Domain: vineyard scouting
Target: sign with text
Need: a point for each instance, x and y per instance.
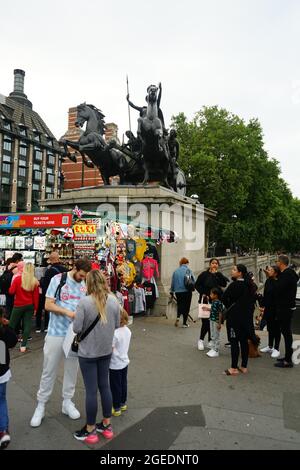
(89, 229)
(39, 220)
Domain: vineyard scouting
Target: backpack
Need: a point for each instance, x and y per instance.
(43, 286)
(5, 281)
(63, 281)
(189, 282)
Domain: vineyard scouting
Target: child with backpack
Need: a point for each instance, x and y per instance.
(118, 367)
(8, 339)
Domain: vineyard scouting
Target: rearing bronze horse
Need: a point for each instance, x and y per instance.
(109, 160)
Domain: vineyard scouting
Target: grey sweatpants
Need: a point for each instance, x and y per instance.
(53, 356)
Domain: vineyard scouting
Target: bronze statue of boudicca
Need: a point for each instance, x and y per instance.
(151, 156)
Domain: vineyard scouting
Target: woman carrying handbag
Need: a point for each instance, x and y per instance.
(205, 282)
(94, 353)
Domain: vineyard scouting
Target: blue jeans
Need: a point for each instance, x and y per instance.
(3, 408)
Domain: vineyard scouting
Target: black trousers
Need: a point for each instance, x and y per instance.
(285, 323)
(39, 314)
(205, 328)
(274, 332)
(239, 341)
(9, 304)
(183, 304)
(228, 331)
(118, 386)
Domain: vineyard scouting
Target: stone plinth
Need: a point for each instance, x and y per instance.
(148, 206)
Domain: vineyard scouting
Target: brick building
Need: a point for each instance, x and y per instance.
(77, 175)
(30, 157)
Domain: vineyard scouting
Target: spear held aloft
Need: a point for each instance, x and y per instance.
(128, 103)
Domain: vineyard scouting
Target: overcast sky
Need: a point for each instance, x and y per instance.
(239, 54)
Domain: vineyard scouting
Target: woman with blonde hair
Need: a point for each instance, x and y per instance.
(95, 352)
(25, 288)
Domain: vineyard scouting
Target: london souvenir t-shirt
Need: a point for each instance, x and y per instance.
(150, 295)
(71, 293)
(130, 249)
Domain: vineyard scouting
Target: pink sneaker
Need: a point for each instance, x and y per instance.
(92, 439)
(106, 431)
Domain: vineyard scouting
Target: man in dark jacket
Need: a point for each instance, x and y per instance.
(285, 305)
(55, 267)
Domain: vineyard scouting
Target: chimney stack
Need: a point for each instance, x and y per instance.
(19, 81)
(18, 93)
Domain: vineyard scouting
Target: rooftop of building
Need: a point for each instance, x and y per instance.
(17, 117)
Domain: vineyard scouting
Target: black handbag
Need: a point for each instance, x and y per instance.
(80, 336)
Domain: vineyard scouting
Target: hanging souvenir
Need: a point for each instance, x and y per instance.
(10, 243)
(39, 243)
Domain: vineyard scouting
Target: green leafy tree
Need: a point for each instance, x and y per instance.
(228, 167)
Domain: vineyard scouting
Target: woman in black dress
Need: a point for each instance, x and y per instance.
(239, 298)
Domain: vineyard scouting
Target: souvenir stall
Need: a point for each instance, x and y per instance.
(129, 258)
(30, 234)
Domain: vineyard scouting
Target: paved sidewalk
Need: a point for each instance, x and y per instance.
(178, 398)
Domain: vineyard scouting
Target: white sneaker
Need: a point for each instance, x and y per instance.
(38, 416)
(267, 349)
(68, 408)
(212, 353)
(275, 353)
(201, 345)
